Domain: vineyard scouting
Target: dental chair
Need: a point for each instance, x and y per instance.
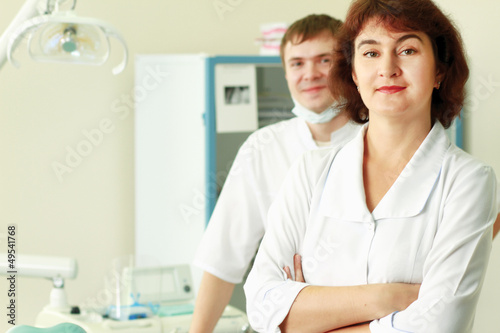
(60, 328)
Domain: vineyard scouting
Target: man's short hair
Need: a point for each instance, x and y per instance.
(307, 28)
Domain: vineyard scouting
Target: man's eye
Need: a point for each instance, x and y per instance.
(370, 54)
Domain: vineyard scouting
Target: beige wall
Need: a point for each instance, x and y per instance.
(46, 108)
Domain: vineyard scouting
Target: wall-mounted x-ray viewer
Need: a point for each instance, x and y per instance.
(236, 98)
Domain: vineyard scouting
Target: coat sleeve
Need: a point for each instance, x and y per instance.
(237, 224)
(269, 294)
(455, 267)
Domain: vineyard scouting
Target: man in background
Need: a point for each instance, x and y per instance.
(239, 220)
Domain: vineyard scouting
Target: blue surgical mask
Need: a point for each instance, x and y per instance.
(314, 117)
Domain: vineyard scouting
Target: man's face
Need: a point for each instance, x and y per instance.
(307, 65)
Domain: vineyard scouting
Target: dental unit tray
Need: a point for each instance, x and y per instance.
(167, 290)
(161, 301)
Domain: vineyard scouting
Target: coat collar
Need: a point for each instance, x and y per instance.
(343, 196)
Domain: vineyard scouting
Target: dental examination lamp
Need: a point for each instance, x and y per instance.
(56, 35)
(53, 268)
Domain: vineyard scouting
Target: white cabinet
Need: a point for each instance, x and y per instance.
(180, 158)
(169, 158)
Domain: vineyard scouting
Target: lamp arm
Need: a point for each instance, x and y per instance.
(49, 267)
(27, 11)
(110, 31)
(17, 33)
(53, 4)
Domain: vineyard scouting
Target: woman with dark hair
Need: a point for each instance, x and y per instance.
(397, 204)
(396, 16)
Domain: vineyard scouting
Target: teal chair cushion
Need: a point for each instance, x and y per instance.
(61, 328)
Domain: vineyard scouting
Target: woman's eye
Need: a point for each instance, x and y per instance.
(408, 52)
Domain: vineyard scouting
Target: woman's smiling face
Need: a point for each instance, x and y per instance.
(394, 71)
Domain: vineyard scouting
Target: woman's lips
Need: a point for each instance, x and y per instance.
(390, 89)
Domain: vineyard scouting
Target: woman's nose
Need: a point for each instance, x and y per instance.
(389, 66)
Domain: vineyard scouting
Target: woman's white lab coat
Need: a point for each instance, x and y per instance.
(434, 226)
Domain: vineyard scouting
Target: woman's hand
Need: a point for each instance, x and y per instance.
(297, 268)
